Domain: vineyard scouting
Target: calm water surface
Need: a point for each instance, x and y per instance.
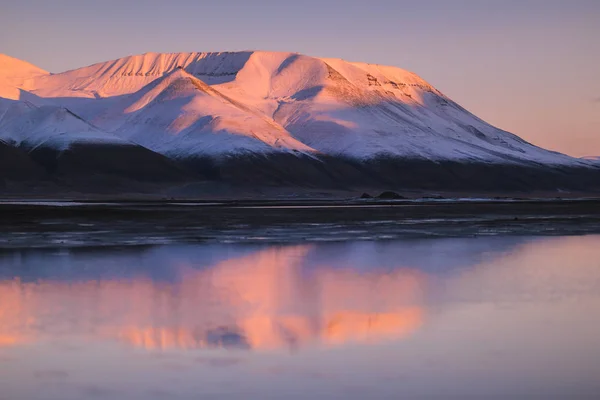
(473, 318)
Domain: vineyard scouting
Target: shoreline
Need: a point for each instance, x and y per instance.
(90, 223)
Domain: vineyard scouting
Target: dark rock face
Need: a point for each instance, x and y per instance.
(16, 165)
(286, 169)
(279, 169)
(95, 160)
(116, 168)
(366, 196)
(449, 175)
(389, 195)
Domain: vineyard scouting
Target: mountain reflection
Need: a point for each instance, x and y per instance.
(265, 299)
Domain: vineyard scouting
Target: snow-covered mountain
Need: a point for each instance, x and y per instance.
(313, 113)
(28, 126)
(328, 106)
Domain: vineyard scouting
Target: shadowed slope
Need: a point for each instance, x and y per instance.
(183, 117)
(16, 165)
(67, 147)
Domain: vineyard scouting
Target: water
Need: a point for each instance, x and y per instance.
(492, 317)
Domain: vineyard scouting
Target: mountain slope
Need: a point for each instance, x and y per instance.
(369, 111)
(28, 126)
(15, 74)
(181, 116)
(67, 146)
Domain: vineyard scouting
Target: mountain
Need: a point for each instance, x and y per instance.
(333, 106)
(285, 119)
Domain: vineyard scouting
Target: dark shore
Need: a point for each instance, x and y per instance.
(114, 223)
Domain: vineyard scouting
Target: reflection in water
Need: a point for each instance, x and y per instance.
(493, 318)
(262, 300)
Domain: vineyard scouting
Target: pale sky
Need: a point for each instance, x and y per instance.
(527, 66)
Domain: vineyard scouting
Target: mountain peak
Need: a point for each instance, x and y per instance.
(181, 73)
(175, 84)
(15, 74)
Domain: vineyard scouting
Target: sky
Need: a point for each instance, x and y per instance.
(527, 66)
